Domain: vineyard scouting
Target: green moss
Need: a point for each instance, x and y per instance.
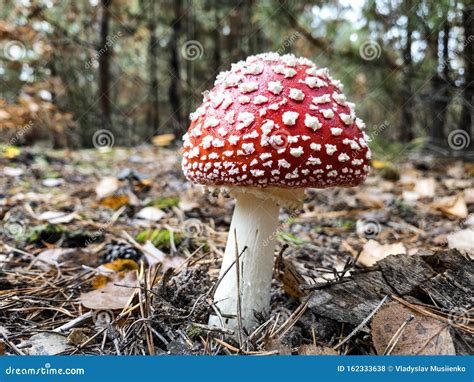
(165, 202)
(45, 232)
(159, 237)
(346, 224)
(193, 331)
(291, 239)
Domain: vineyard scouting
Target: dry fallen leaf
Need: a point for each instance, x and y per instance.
(52, 256)
(373, 251)
(452, 206)
(276, 345)
(107, 186)
(289, 277)
(463, 241)
(46, 343)
(52, 182)
(422, 335)
(12, 171)
(66, 257)
(187, 205)
(469, 195)
(163, 140)
(11, 152)
(425, 188)
(151, 214)
(115, 202)
(410, 196)
(120, 266)
(154, 255)
(378, 164)
(374, 198)
(56, 217)
(114, 295)
(77, 336)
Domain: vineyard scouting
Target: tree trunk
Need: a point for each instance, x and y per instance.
(104, 53)
(216, 35)
(441, 93)
(465, 122)
(406, 127)
(173, 91)
(153, 115)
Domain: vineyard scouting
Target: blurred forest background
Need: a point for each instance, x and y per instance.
(137, 68)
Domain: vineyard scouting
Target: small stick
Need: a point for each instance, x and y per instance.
(71, 324)
(362, 324)
(217, 329)
(394, 340)
(291, 321)
(239, 306)
(11, 344)
(226, 345)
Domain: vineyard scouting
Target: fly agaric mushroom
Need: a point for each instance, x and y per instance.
(271, 126)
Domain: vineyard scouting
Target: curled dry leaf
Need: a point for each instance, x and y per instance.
(373, 251)
(56, 217)
(289, 277)
(114, 295)
(422, 335)
(452, 206)
(154, 255)
(66, 257)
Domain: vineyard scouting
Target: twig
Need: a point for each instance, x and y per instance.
(362, 324)
(291, 321)
(239, 306)
(421, 310)
(210, 328)
(11, 344)
(394, 340)
(71, 324)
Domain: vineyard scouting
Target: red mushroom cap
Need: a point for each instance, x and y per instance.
(276, 121)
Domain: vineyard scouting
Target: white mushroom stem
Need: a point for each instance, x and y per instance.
(254, 225)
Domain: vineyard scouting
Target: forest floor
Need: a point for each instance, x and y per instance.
(116, 253)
